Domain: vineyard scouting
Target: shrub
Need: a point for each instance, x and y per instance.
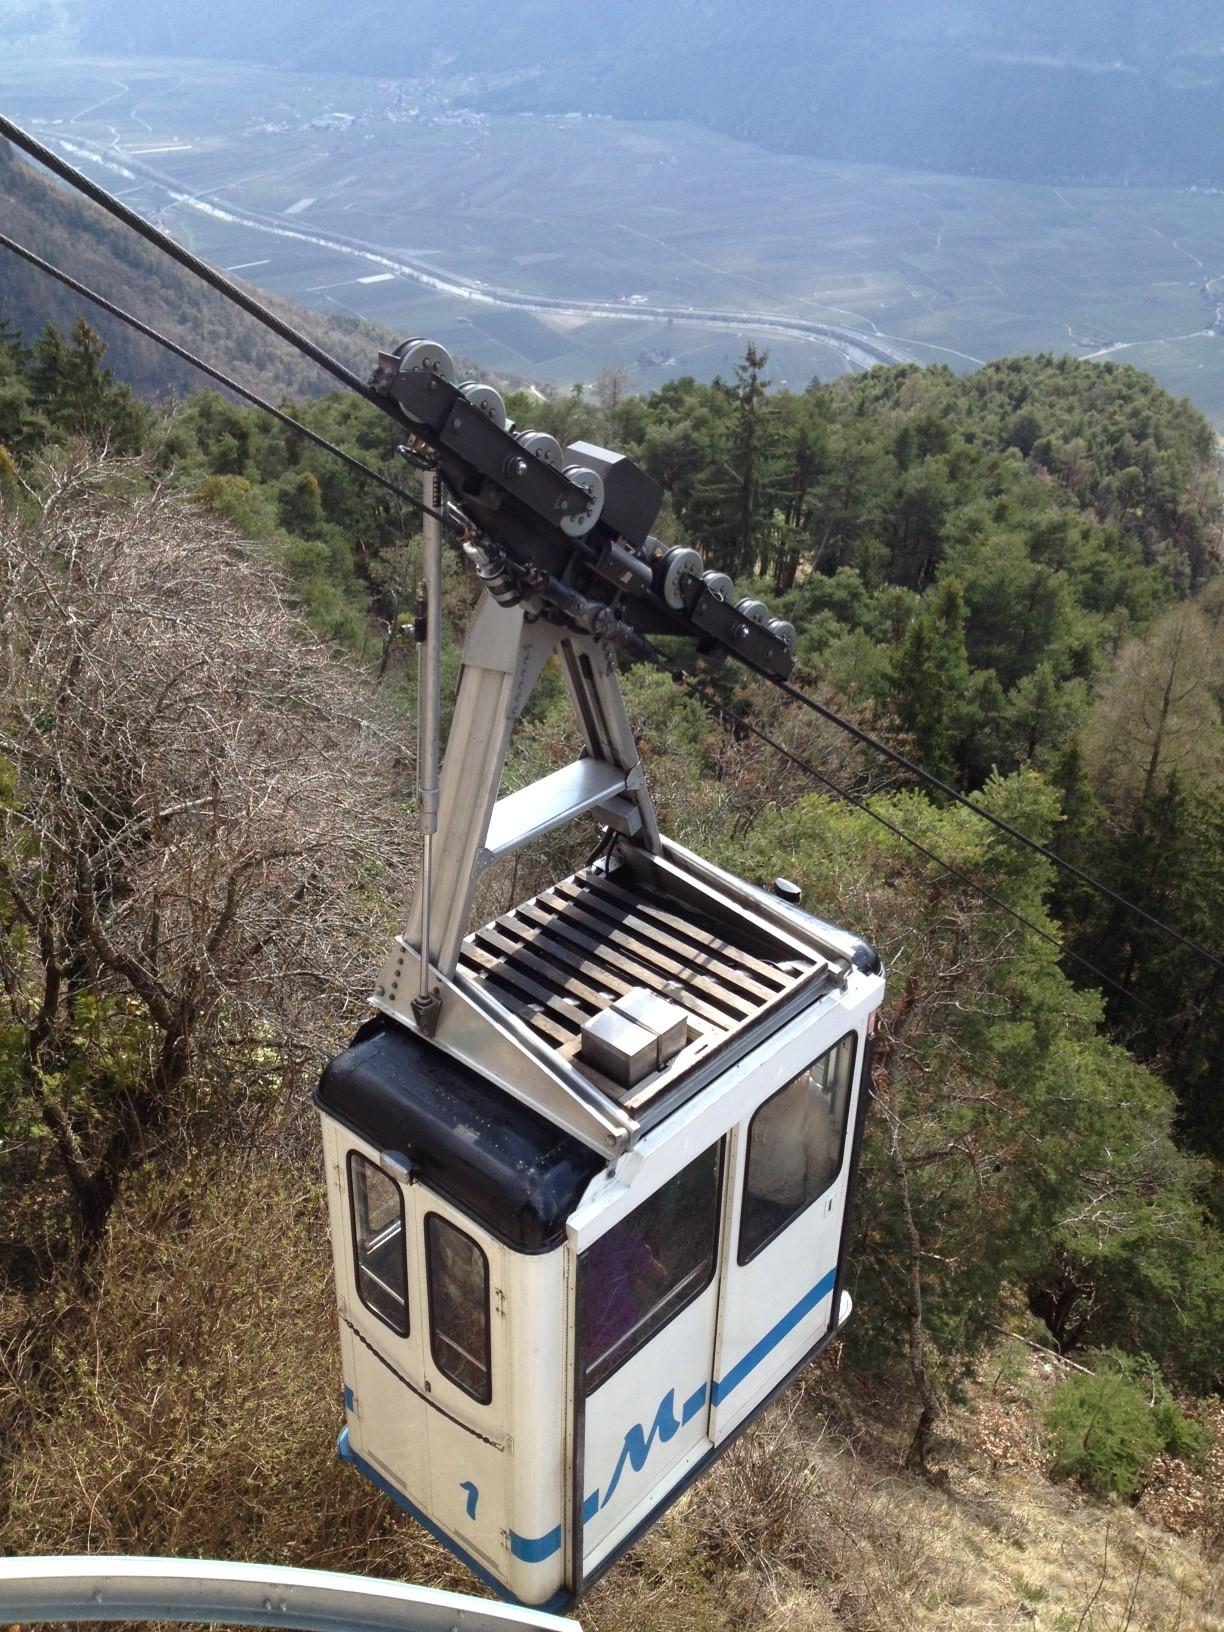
(1105, 1429)
(1182, 1437)
(1103, 1433)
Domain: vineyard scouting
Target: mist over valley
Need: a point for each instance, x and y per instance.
(551, 242)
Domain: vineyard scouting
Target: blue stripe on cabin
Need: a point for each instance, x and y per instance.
(347, 1454)
(773, 1337)
(693, 1404)
(535, 1551)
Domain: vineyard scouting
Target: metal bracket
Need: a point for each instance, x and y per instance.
(503, 657)
(426, 1010)
(503, 1049)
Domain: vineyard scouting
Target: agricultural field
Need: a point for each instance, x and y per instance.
(402, 202)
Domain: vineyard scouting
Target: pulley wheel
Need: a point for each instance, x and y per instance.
(543, 446)
(678, 564)
(591, 483)
(486, 400)
(785, 633)
(427, 355)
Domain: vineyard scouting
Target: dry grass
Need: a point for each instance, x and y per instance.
(804, 1530)
(1190, 1501)
(191, 1407)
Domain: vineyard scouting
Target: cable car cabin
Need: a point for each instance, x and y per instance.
(589, 1167)
(542, 1349)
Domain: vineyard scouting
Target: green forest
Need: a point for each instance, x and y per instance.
(206, 694)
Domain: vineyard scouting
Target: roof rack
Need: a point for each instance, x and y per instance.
(520, 997)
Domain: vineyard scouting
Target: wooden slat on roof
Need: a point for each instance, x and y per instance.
(557, 960)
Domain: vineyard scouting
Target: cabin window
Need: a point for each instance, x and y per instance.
(795, 1145)
(649, 1267)
(378, 1242)
(458, 1276)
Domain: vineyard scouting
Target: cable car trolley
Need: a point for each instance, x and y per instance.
(589, 1166)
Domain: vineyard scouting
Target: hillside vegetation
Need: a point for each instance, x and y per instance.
(203, 694)
(83, 241)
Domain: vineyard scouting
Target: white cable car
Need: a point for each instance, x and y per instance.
(589, 1166)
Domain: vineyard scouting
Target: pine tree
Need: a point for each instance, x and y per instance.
(752, 498)
(21, 426)
(740, 490)
(1039, 713)
(1158, 715)
(929, 680)
(300, 504)
(1171, 863)
(13, 353)
(79, 395)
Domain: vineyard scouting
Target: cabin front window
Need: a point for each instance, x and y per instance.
(649, 1267)
(796, 1141)
(378, 1242)
(458, 1276)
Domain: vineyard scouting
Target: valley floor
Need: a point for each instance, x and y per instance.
(617, 241)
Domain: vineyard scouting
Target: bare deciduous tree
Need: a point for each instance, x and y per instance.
(196, 822)
(1157, 714)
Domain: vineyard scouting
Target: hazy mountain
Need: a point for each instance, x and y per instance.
(1106, 89)
(78, 237)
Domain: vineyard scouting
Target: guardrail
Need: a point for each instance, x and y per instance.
(98, 1588)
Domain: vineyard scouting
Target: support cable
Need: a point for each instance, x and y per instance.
(192, 263)
(868, 741)
(713, 702)
(252, 397)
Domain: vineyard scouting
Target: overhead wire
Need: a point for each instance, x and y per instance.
(295, 337)
(714, 702)
(230, 384)
(1004, 826)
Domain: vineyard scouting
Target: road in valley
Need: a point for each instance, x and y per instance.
(859, 350)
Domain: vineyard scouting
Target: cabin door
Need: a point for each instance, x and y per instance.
(780, 1257)
(647, 1309)
(425, 1348)
(463, 1314)
(381, 1323)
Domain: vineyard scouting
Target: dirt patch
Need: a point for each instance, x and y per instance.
(1186, 1500)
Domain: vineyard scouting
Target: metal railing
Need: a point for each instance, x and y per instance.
(203, 1590)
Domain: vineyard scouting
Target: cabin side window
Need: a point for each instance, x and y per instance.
(378, 1242)
(458, 1276)
(796, 1141)
(649, 1267)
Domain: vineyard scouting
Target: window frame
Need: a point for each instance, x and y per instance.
(432, 1217)
(646, 1333)
(741, 1258)
(355, 1155)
